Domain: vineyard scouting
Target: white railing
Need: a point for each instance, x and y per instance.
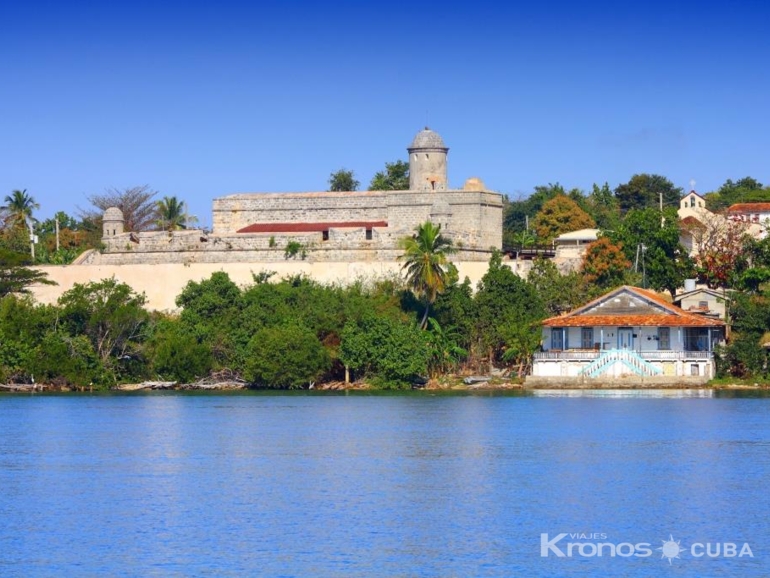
(646, 355)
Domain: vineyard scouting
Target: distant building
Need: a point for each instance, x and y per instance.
(755, 214)
(703, 301)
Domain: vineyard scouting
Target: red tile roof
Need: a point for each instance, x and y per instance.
(691, 222)
(309, 227)
(675, 317)
(741, 208)
(686, 320)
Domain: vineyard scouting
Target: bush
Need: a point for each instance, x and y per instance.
(66, 360)
(176, 354)
(285, 356)
(389, 351)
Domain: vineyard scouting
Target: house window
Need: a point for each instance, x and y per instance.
(558, 338)
(368, 234)
(703, 304)
(695, 339)
(325, 235)
(692, 201)
(587, 337)
(664, 338)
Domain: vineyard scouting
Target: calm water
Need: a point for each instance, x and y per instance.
(290, 485)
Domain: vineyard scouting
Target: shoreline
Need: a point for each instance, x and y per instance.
(338, 386)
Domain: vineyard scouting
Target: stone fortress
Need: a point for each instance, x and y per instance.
(343, 227)
(338, 237)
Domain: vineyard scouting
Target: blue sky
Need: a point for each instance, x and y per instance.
(200, 100)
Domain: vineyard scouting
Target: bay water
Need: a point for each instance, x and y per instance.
(257, 484)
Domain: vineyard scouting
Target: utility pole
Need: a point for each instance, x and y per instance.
(57, 233)
(31, 238)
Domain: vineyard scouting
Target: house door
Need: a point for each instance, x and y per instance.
(625, 338)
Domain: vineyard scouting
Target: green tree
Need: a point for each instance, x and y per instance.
(286, 356)
(64, 359)
(644, 190)
(389, 351)
(15, 277)
(18, 208)
(506, 307)
(112, 316)
(455, 311)
(744, 356)
(559, 293)
(22, 327)
(560, 215)
(211, 309)
(603, 207)
(395, 177)
(343, 180)
(745, 190)
(176, 354)
(171, 214)
(650, 240)
(425, 263)
(444, 351)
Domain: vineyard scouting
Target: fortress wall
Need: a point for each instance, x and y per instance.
(162, 283)
(476, 215)
(234, 212)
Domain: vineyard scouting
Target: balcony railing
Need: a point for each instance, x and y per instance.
(585, 355)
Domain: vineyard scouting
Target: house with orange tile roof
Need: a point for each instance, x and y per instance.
(628, 332)
(755, 214)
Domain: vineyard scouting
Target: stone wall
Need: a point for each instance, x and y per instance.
(471, 219)
(235, 212)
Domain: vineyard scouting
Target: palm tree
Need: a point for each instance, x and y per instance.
(425, 256)
(18, 207)
(172, 214)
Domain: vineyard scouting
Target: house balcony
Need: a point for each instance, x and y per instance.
(591, 354)
(584, 364)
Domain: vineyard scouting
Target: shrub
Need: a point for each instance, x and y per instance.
(285, 356)
(177, 355)
(391, 352)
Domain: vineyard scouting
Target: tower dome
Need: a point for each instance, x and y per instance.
(428, 139)
(112, 222)
(427, 162)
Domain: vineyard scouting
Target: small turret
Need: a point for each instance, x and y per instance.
(112, 222)
(427, 162)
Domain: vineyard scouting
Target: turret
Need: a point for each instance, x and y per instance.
(427, 162)
(112, 222)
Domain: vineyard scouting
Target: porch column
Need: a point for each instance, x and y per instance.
(601, 338)
(709, 346)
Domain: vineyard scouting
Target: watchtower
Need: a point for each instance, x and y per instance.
(427, 162)
(112, 222)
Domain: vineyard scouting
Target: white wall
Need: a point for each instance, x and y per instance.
(163, 282)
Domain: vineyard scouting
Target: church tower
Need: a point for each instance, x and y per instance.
(427, 162)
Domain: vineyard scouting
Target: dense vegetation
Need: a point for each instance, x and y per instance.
(394, 332)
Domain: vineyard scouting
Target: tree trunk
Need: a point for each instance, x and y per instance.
(424, 322)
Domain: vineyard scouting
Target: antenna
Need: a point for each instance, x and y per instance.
(692, 184)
